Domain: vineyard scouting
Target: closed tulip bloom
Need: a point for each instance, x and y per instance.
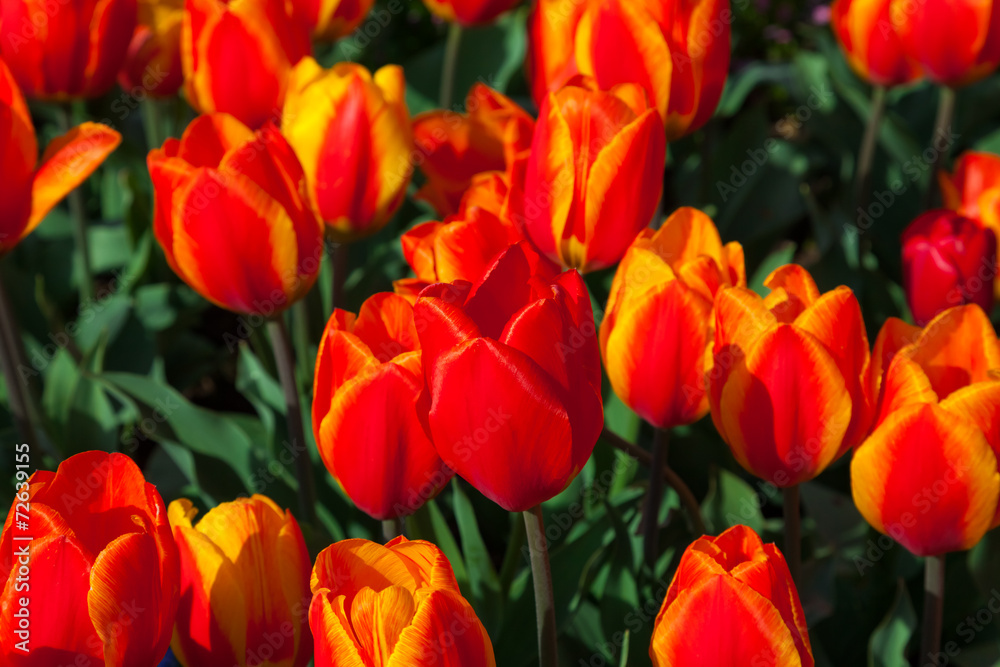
(656, 336)
(927, 473)
(153, 63)
(244, 586)
(231, 215)
(31, 187)
(333, 19)
(955, 42)
(103, 580)
(593, 178)
(948, 260)
(369, 406)
(871, 44)
(731, 602)
(973, 190)
(470, 12)
(788, 389)
(65, 50)
(455, 147)
(237, 56)
(396, 605)
(514, 372)
(351, 131)
(677, 51)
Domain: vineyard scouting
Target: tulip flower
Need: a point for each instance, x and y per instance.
(927, 473)
(333, 19)
(244, 586)
(731, 602)
(101, 567)
(237, 56)
(973, 190)
(65, 50)
(593, 178)
(788, 386)
(153, 62)
(470, 12)
(948, 260)
(231, 215)
(656, 336)
(514, 373)
(872, 45)
(29, 187)
(396, 604)
(677, 51)
(368, 409)
(455, 147)
(351, 130)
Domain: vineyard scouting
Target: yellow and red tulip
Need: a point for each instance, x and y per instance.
(593, 177)
(153, 63)
(514, 372)
(656, 335)
(396, 604)
(973, 190)
(872, 46)
(244, 586)
(368, 409)
(678, 51)
(788, 386)
(927, 473)
(102, 568)
(333, 19)
(731, 602)
(232, 216)
(470, 12)
(351, 131)
(237, 56)
(455, 147)
(31, 187)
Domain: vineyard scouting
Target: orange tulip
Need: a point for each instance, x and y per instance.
(333, 19)
(396, 604)
(237, 56)
(787, 389)
(231, 215)
(470, 12)
(731, 602)
(153, 63)
(244, 586)
(369, 406)
(973, 190)
(927, 473)
(455, 147)
(28, 189)
(656, 336)
(65, 49)
(677, 51)
(873, 48)
(351, 130)
(95, 569)
(956, 42)
(593, 178)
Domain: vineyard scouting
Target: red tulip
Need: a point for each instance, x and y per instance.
(956, 42)
(333, 19)
(873, 47)
(973, 190)
(470, 12)
(153, 63)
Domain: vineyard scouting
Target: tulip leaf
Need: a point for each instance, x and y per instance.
(731, 502)
(484, 584)
(887, 646)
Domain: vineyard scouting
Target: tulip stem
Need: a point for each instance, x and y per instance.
(793, 532)
(688, 498)
(78, 214)
(867, 153)
(285, 360)
(930, 642)
(17, 396)
(450, 61)
(541, 575)
(654, 495)
(392, 528)
(942, 133)
(339, 259)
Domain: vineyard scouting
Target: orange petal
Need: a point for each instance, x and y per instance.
(792, 291)
(980, 404)
(336, 643)
(894, 336)
(444, 626)
(957, 348)
(905, 384)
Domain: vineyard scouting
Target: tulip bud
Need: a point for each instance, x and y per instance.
(98, 572)
(351, 130)
(956, 42)
(396, 604)
(948, 260)
(455, 147)
(731, 602)
(67, 49)
(30, 190)
(333, 19)
(656, 335)
(470, 12)
(244, 586)
(593, 178)
(231, 215)
(514, 373)
(153, 62)
(788, 388)
(927, 474)
(872, 45)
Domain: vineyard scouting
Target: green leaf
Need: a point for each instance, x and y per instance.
(731, 502)
(887, 646)
(484, 584)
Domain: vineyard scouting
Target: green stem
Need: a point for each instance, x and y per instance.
(541, 575)
(285, 361)
(654, 496)
(152, 123)
(930, 640)
(339, 259)
(391, 529)
(78, 214)
(942, 132)
(867, 153)
(450, 62)
(300, 333)
(17, 391)
(512, 556)
(793, 533)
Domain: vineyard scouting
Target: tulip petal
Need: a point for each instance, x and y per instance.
(980, 404)
(793, 290)
(905, 384)
(957, 348)
(444, 631)
(341, 357)
(432, 567)
(336, 643)
(378, 619)
(347, 567)
(894, 336)
(385, 324)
